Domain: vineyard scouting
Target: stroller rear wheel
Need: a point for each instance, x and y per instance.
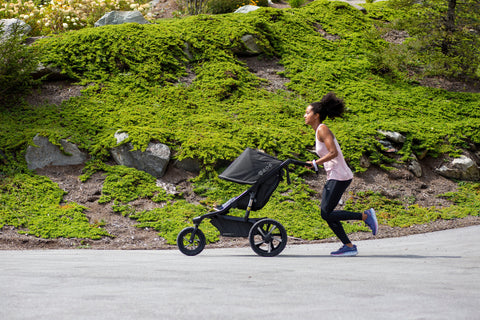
(267, 238)
(191, 241)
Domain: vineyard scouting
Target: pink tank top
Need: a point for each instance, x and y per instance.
(337, 168)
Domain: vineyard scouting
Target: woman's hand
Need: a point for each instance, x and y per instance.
(309, 165)
(312, 165)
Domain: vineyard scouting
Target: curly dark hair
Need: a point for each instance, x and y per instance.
(330, 106)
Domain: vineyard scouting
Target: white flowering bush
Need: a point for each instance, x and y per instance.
(56, 16)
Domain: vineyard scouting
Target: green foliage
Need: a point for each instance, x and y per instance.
(34, 205)
(172, 218)
(404, 213)
(17, 63)
(228, 6)
(432, 49)
(296, 3)
(466, 199)
(124, 184)
(97, 54)
(133, 77)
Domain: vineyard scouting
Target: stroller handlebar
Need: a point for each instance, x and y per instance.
(300, 163)
(297, 162)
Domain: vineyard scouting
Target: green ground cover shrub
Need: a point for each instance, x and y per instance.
(395, 213)
(172, 218)
(133, 75)
(34, 205)
(126, 184)
(228, 6)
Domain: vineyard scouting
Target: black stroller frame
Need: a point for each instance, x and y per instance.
(267, 237)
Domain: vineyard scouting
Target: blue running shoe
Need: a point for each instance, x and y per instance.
(345, 251)
(371, 220)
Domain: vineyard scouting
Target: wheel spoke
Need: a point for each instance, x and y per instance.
(259, 243)
(260, 231)
(191, 245)
(270, 247)
(277, 239)
(271, 230)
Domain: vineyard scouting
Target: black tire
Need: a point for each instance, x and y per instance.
(267, 238)
(188, 245)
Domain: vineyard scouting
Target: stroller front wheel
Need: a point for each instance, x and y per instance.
(267, 237)
(191, 241)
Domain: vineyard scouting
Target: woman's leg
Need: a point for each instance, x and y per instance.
(332, 193)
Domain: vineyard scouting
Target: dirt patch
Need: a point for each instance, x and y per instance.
(454, 85)
(54, 92)
(165, 9)
(395, 36)
(268, 69)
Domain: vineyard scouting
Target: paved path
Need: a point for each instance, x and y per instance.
(430, 276)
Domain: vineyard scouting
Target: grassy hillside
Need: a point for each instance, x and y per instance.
(134, 73)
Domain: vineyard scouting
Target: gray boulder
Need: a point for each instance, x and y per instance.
(393, 136)
(187, 50)
(9, 26)
(388, 146)
(246, 9)
(360, 8)
(120, 17)
(415, 167)
(251, 45)
(50, 72)
(44, 153)
(154, 160)
(462, 168)
(191, 165)
(248, 46)
(365, 162)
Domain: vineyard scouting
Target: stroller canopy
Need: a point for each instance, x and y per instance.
(250, 167)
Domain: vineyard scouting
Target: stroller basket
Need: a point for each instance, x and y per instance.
(230, 226)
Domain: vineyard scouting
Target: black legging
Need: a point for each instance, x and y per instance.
(332, 193)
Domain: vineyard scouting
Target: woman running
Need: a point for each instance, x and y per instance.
(339, 175)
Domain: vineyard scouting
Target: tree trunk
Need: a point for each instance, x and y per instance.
(449, 26)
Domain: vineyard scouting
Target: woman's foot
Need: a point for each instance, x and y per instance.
(345, 251)
(371, 220)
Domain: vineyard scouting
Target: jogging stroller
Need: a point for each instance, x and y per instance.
(267, 237)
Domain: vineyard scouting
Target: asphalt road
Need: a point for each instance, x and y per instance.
(429, 276)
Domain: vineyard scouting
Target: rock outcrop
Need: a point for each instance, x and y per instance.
(120, 17)
(13, 26)
(45, 153)
(462, 168)
(154, 160)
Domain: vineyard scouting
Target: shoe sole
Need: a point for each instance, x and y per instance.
(345, 254)
(374, 216)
